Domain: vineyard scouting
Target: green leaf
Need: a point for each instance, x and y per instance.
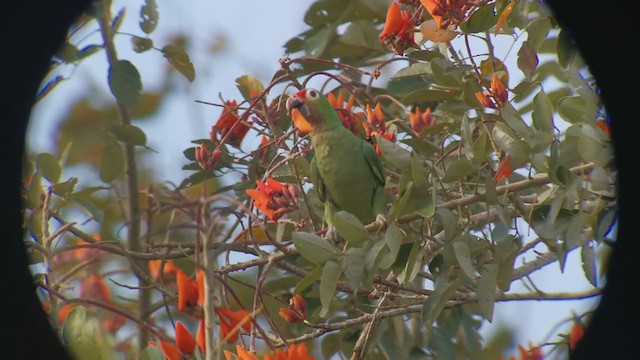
(393, 238)
(490, 191)
(151, 353)
(354, 266)
(309, 279)
(197, 178)
(111, 162)
(117, 20)
(248, 84)
(423, 95)
(435, 303)
(483, 19)
(49, 167)
(449, 222)
(514, 120)
(179, 59)
(141, 44)
(396, 157)
(458, 170)
(65, 188)
(412, 265)
(506, 252)
(125, 83)
(572, 108)
(589, 264)
(486, 291)
(527, 60)
(567, 49)
(351, 228)
(328, 284)
(542, 112)
(400, 207)
(314, 248)
(537, 31)
(461, 250)
(91, 208)
(148, 16)
(417, 69)
(128, 134)
(359, 39)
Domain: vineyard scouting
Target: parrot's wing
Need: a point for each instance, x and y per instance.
(316, 179)
(373, 159)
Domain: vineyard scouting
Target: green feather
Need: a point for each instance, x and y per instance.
(346, 171)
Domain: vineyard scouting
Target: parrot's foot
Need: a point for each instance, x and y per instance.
(381, 221)
(332, 235)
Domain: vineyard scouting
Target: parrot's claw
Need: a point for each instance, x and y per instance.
(332, 235)
(381, 221)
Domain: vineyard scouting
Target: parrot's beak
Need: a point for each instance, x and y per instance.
(299, 111)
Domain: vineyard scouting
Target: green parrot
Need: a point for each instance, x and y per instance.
(346, 171)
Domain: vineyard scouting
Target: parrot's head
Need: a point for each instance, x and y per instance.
(311, 111)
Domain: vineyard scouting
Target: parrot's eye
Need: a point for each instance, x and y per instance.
(313, 94)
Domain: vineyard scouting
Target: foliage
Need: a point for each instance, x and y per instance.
(495, 167)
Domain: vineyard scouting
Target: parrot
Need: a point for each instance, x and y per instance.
(346, 171)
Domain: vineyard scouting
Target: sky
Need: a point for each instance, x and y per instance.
(255, 32)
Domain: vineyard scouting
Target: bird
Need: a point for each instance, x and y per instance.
(346, 171)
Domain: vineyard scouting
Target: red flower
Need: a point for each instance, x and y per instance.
(168, 270)
(184, 340)
(187, 291)
(273, 198)
(242, 354)
(447, 13)
(207, 158)
(297, 310)
(498, 90)
(420, 121)
(347, 117)
(577, 332)
(114, 323)
(530, 354)
(504, 169)
(232, 124)
(293, 352)
(170, 351)
(485, 100)
(397, 34)
(602, 125)
(229, 320)
(200, 336)
(93, 287)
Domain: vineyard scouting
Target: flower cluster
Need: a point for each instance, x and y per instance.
(274, 198)
(293, 352)
(496, 97)
(376, 126)
(347, 117)
(230, 126)
(297, 310)
(447, 13)
(397, 33)
(421, 120)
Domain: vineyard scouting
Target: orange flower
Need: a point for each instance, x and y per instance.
(498, 90)
(207, 158)
(200, 336)
(169, 350)
(530, 354)
(230, 122)
(93, 287)
(420, 121)
(397, 34)
(168, 270)
(242, 354)
(187, 291)
(293, 352)
(64, 311)
(297, 310)
(577, 332)
(200, 279)
(375, 119)
(485, 100)
(602, 125)
(113, 323)
(184, 340)
(273, 198)
(447, 13)
(504, 168)
(347, 117)
(229, 320)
